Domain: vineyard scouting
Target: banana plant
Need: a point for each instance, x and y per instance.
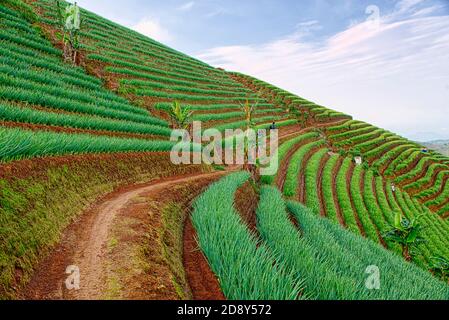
(70, 23)
(406, 233)
(440, 267)
(181, 117)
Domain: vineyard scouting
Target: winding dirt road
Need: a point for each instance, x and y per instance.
(86, 244)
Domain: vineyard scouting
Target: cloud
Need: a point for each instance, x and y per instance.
(187, 6)
(393, 75)
(406, 5)
(216, 12)
(308, 27)
(153, 29)
(308, 23)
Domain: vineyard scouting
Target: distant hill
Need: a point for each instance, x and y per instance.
(441, 146)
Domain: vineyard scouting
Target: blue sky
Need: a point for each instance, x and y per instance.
(385, 62)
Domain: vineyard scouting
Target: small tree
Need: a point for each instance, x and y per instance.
(440, 267)
(406, 233)
(181, 117)
(70, 23)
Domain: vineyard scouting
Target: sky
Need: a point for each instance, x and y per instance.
(385, 62)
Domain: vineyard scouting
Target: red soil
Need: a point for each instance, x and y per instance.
(203, 282)
(246, 201)
(84, 245)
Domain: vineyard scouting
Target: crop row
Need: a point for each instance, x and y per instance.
(401, 202)
(383, 148)
(350, 133)
(214, 107)
(30, 42)
(432, 170)
(348, 125)
(378, 211)
(243, 123)
(188, 97)
(444, 211)
(392, 168)
(345, 258)
(55, 77)
(442, 198)
(19, 144)
(35, 97)
(27, 115)
(233, 115)
(441, 178)
(418, 169)
(142, 68)
(53, 63)
(327, 188)
(295, 166)
(174, 67)
(231, 141)
(408, 160)
(385, 138)
(159, 79)
(245, 268)
(389, 156)
(359, 205)
(344, 200)
(311, 180)
(177, 88)
(283, 150)
(327, 115)
(436, 242)
(51, 83)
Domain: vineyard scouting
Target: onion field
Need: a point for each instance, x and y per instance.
(353, 212)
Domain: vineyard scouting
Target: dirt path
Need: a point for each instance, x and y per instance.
(87, 242)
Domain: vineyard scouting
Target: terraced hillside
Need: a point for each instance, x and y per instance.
(86, 179)
(153, 75)
(423, 174)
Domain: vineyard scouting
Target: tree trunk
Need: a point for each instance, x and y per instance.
(406, 253)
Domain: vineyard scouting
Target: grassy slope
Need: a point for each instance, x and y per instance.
(40, 198)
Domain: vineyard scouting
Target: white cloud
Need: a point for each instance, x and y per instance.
(217, 12)
(187, 6)
(308, 23)
(153, 29)
(406, 5)
(394, 76)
